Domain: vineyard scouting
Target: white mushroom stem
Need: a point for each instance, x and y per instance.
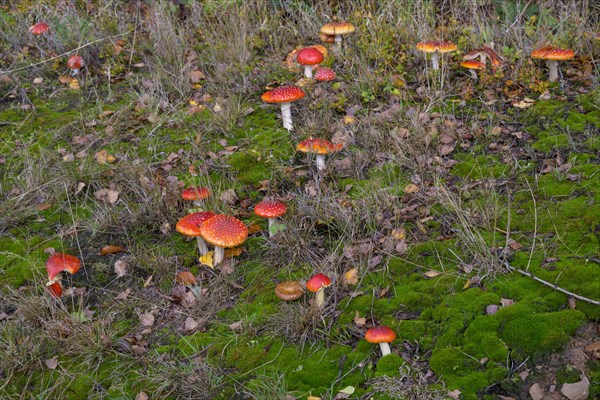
(308, 71)
(286, 115)
(320, 162)
(435, 61)
(385, 349)
(202, 247)
(337, 47)
(219, 255)
(553, 66)
(320, 297)
(473, 74)
(271, 222)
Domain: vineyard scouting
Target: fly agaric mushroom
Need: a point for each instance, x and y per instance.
(270, 209)
(292, 57)
(337, 29)
(324, 74)
(74, 63)
(553, 55)
(309, 57)
(223, 231)
(59, 262)
(289, 290)
(434, 47)
(39, 28)
(195, 194)
(317, 284)
(190, 226)
(472, 66)
(320, 147)
(284, 95)
(382, 335)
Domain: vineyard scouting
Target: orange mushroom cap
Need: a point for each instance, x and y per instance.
(283, 94)
(337, 28)
(309, 56)
(289, 290)
(427, 47)
(318, 281)
(195, 193)
(553, 53)
(318, 146)
(75, 62)
(190, 224)
(431, 46)
(472, 64)
(380, 334)
(59, 262)
(224, 231)
(39, 28)
(270, 209)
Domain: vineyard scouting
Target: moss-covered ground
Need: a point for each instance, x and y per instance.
(431, 260)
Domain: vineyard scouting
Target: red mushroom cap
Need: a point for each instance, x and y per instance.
(39, 28)
(317, 282)
(75, 62)
(270, 209)
(553, 53)
(59, 262)
(190, 224)
(380, 334)
(224, 231)
(283, 94)
(195, 193)
(55, 289)
(309, 56)
(324, 74)
(318, 146)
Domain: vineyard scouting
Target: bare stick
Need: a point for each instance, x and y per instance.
(63, 54)
(553, 286)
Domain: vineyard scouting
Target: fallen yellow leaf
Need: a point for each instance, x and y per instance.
(207, 259)
(351, 276)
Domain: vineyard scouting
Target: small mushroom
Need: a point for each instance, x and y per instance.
(59, 262)
(324, 74)
(39, 28)
(309, 57)
(75, 63)
(284, 95)
(190, 226)
(472, 66)
(337, 29)
(270, 209)
(483, 54)
(435, 48)
(381, 335)
(289, 290)
(223, 231)
(320, 147)
(317, 284)
(195, 194)
(553, 55)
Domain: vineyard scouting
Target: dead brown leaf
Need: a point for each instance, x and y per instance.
(121, 268)
(110, 249)
(358, 320)
(147, 319)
